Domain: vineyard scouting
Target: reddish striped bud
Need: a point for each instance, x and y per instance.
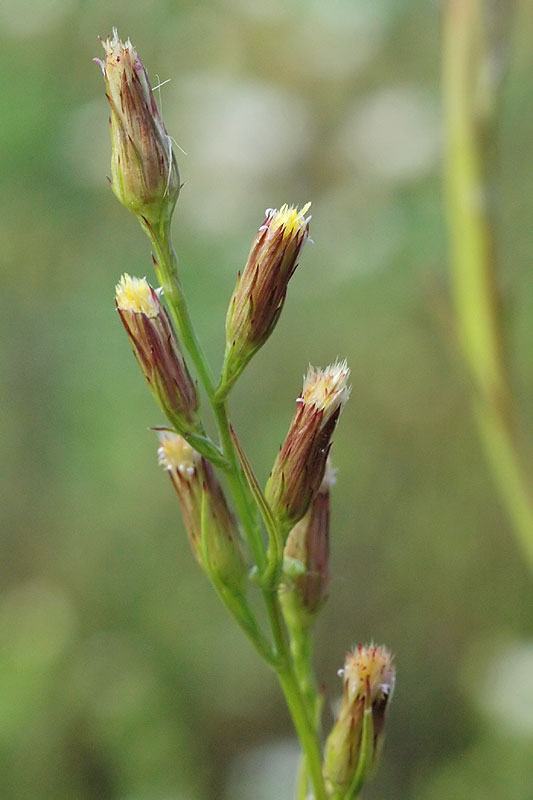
(260, 292)
(355, 741)
(156, 348)
(144, 170)
(210, 525)
(299, 468)
(306, 554)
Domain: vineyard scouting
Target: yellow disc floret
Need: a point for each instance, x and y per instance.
(175, 453)
(136, 294)
(290, 219)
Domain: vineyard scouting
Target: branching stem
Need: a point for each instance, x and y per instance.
(290, 676)
(471, 84)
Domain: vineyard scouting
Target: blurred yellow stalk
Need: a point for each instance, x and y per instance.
(473, 60)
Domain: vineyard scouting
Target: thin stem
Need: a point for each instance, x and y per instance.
(245, 619)
(270, 576)
(166, 267)
(166, 264)
(305, 730)
(302, 780)
(302, 714)
(500, 451)
(233, 596)
(301, 646)
(471, 93)
(238, 485)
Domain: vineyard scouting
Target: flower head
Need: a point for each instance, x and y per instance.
(144, 170)
(211, 527)
(261, 289)
(369, 678)
(299, 468)
(156, 348)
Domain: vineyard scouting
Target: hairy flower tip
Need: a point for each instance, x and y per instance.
(369, 670)
(210, 525)
(144, 171)
(354, 744)
(117, 50)
(260, 293)
(156, 348)
(175, 453)
(136, 294)
(327, 389)
(289, 220)
(301, 463)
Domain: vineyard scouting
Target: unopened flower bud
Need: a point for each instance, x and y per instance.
(210, 525)
(369, 678)
(306, 554)
(299, 467)
(156, 348)
(260, 292)
(144, 170)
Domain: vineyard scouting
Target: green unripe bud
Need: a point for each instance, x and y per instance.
(355, 741)
(144, 170)
(210, 525)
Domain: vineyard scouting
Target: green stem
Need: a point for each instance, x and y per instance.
(241, 612)
(233, 595)
(305, 730)
(297, 701)
(201, 443)
(239, 486)
(167, 271)
(302, 780)
(301, 646)
(297, 656)
(166, 265)
(470, 100)
(274, 557)
(503, 460)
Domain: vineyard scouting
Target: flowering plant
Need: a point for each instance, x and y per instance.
(277, 537)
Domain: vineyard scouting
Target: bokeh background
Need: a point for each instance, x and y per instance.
(121, 677)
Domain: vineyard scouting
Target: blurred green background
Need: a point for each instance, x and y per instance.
(121, 677)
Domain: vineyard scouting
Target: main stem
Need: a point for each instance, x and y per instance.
(304, 728)
(166, 266)
(301, 648)
(470, 100)
(297, 701)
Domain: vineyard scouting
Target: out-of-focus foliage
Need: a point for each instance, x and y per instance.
(121, 678)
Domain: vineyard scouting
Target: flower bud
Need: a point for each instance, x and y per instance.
(210, 525)
(260, 292)
(369, 678)
(144, 170)
(299, 467)
(156, 349)
(306, 553)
